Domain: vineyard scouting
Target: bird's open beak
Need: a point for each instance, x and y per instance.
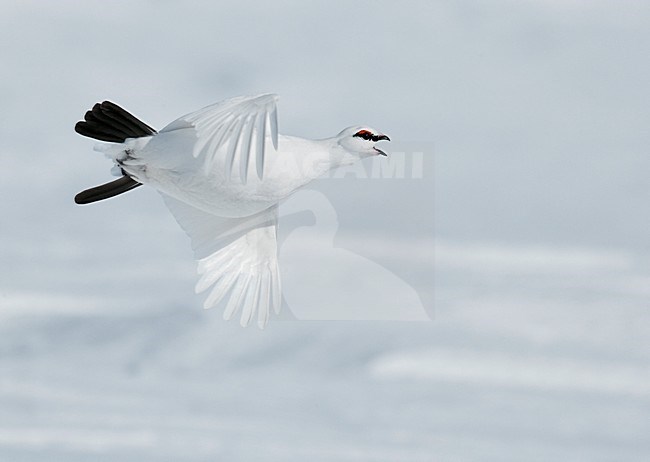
(382, 138)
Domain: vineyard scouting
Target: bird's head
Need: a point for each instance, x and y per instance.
(362, 141)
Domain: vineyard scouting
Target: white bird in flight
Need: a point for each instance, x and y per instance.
(222, 171)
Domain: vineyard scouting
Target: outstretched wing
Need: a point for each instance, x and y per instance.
(240, 125)
(236, 256)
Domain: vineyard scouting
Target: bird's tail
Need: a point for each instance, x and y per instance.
(108, 122)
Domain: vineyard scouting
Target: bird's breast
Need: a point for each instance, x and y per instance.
(215, 184)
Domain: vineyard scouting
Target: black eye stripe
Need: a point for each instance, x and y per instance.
(366, 135)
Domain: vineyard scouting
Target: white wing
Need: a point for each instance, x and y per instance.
(236, 256)
(239, 123)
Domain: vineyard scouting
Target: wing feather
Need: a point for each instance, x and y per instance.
(212, 275)
(259, 148)
(232, 128)
(252, 300)
(212, 143)
(265, 299)
(220, 289)
(276, 291)
(237, 296)
(273, 120)
(244, 159)
(233, 142)
(224, 138)
(236, 256)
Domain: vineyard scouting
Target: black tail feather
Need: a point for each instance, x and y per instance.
(108, 122)
(107, 190)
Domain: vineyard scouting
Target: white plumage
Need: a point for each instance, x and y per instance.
(222, 170)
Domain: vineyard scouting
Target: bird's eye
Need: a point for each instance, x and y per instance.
(366, 135)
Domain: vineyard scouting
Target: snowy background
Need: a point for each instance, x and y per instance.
(527, 238)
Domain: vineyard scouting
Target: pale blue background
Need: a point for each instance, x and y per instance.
(533, 118)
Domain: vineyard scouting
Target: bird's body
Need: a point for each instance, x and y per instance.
(222, 170)
(156, 161)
